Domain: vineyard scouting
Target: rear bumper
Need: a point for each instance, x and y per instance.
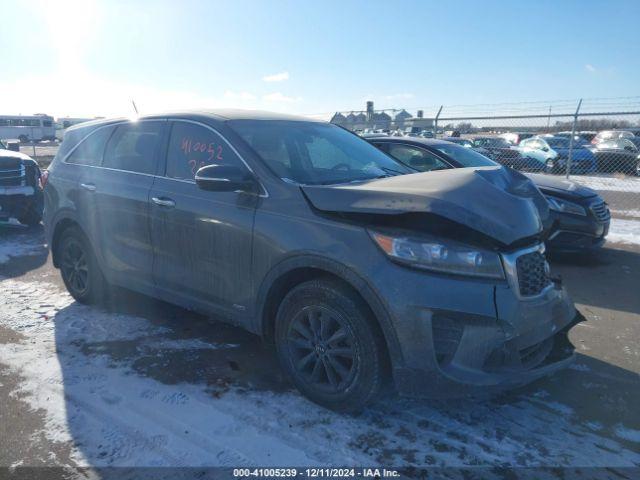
(11, 191)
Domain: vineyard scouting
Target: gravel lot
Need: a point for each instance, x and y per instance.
(140, 382)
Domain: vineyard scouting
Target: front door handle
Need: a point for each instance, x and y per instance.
(88, 186)
(163, 202)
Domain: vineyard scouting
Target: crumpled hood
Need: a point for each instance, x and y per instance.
(561, 186)
(500, 203)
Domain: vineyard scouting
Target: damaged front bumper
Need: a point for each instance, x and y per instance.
(453, 353)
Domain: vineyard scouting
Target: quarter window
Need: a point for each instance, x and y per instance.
(90, 151)
(192, 147)
(134, 147)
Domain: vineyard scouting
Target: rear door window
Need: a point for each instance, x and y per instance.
(91, 149)
(192, 147)
(134, 147)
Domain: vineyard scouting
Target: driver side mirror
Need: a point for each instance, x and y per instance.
(225, 178)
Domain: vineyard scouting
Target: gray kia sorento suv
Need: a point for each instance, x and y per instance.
(359, 270)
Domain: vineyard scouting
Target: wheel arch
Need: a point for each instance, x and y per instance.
(293, 271)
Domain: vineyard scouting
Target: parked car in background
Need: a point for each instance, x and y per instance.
(611, 135)
(372, 135)
(579, 216)
(20, 188)
(553, 152)
(354, 265)
(586, 136)
(465, 142)
(618, 155)
(514, 138)
(501, 151)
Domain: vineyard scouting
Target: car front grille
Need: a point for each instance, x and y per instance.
(533, 273)
(12, 177)
(601, 211)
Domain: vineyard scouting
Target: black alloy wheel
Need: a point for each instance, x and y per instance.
(329, 343)
(323, 348)
(79, 268)
(75, 267)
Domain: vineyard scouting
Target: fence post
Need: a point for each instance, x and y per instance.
(33, 144)
(573, 134)
(435, 123)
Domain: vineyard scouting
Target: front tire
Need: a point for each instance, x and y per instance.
(79, 268)
(327, 343)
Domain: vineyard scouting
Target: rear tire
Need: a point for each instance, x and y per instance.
(79, 268)
(328, 344)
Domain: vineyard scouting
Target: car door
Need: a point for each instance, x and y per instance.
(121, 192)
(86, 159)
(202, 239)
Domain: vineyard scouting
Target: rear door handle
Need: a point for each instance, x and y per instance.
(88, 186)
(163, 202)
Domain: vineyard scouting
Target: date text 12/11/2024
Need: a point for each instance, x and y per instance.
(316, 472)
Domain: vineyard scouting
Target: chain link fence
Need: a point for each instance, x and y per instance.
(595, 142)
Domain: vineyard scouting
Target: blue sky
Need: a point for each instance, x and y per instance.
(82, 58)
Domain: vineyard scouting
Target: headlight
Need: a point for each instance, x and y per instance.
(565, 206)
(439, 255)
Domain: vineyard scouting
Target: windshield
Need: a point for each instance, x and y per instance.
(315, 153)
(465, 156)
(3, 145)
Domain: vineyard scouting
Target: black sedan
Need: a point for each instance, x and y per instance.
(580, 216)
(501, 151)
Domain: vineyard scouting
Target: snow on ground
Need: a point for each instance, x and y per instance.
(16, 245)
(626, 213)
(80, 365)
(615, 183)
(624, 231)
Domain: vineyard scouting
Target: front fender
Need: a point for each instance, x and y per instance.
(366, 291)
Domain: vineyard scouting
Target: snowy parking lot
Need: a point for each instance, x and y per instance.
(141, 383)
